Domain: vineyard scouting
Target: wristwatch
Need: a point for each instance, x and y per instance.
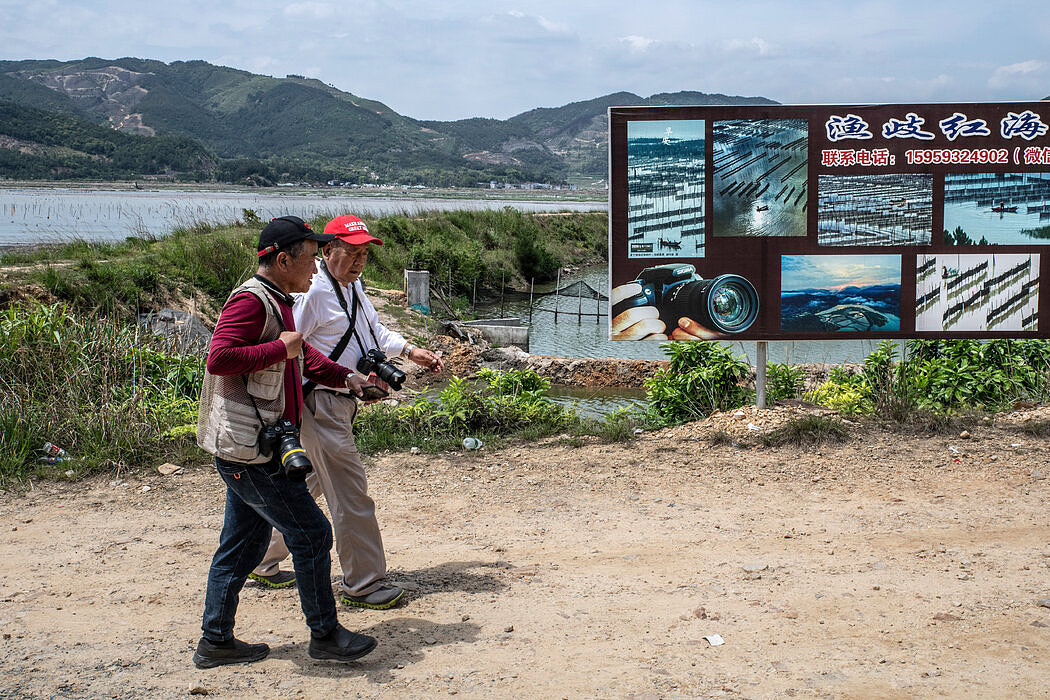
(407, 351)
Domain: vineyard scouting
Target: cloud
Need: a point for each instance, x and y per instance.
(310, 10)
(637, 43)
(1023, 72)
(516, 26)
(753, 46)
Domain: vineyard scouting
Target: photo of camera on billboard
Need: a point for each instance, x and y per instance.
(672, 302)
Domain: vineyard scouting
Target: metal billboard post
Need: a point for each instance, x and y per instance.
(760, 374)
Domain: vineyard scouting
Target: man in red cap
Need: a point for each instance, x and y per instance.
(252, 383)
(336, 317)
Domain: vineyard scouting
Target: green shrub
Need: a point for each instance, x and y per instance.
(497, 405)
(940, 377)
(617, 426)
(845, 397)
(784, 381)
(701, 377)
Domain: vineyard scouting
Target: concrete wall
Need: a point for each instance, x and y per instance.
(417, 288)
(502, 331)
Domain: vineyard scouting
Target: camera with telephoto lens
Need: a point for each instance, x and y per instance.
(282, 438)
(375, 361)
(727, 303)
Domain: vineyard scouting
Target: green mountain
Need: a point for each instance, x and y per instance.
(252, 128)
(40, 144)
(579, 132)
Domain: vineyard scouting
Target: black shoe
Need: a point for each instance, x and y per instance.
(341, 645)
(282, 579)
(209, 654)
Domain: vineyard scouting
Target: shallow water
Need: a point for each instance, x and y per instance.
(54, 215)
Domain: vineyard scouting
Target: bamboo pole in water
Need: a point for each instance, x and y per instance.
(531, 290)
(557, 294)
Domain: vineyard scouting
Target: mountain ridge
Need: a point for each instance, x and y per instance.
(259, 128)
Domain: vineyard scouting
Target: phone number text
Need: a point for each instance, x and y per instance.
(956, 155)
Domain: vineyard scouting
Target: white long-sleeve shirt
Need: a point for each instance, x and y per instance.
(320, 318)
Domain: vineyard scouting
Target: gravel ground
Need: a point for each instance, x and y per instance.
(885, 565)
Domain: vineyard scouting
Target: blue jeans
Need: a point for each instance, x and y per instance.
(259, 498)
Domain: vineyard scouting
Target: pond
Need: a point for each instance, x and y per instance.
(55, 215)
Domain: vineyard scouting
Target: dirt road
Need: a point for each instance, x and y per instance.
(887, 566)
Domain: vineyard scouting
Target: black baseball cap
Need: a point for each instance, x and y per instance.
(285, 230)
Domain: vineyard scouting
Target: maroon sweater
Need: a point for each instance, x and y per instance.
(234, 351)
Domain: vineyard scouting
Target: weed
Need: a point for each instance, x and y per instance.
(720, 438)
(108, 395)
(1039, 429)
(805, 431)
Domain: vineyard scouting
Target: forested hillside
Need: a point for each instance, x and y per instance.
(216, 123)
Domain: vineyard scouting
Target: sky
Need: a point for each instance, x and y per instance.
(838, 271)
(453, 59)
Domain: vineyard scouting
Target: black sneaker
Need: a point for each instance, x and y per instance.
(380, 599)
(341, 645)
(282, 579)
(209, 654)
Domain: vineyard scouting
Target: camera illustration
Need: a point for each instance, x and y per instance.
(375, 361)
(283, 438)
(727, 303)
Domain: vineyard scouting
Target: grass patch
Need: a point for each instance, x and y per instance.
(720, 438)
(112, 397)
(500, 407)
(807, 431)
(474, 247)
(1039, 428)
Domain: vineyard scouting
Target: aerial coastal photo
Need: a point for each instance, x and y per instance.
(997, 208)
(977, 292)
(840, 293)
(665, 189)
(892, 209)
(760, 177)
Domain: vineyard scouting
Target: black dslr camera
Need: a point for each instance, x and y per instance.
(375, 361)
(282, 438)
(727, 303)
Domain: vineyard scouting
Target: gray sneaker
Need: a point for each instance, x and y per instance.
(282, 579)
(382, 598)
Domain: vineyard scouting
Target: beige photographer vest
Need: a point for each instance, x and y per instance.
(227, 424)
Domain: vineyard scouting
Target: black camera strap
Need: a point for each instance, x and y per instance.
(351, 316)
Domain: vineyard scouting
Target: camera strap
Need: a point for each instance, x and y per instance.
(351, 330)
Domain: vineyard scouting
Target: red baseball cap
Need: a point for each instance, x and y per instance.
(351, 229)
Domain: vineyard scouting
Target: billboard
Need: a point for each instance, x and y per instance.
(823, 222)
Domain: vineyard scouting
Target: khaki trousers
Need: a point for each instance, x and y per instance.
(328, 438)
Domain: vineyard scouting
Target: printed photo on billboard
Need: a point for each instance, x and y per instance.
(665, 189)
(674, 302)
(760, 177)
(997, 208)
(840, 293)
(977, 292)
(880, 210)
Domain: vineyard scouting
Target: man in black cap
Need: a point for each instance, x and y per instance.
(253, 380)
